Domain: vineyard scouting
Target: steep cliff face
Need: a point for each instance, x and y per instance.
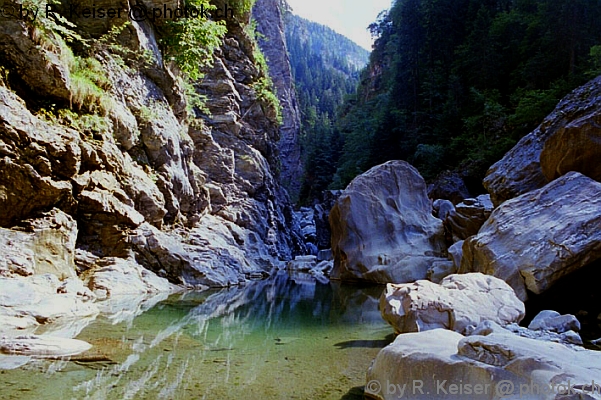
(269, 17)
(104, 139)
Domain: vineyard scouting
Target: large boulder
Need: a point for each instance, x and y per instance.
(383, 229)
(569, 136)
(442, 364)
(459, 303)
(537, 238)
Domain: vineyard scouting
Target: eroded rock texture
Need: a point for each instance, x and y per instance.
(193, 198)
(383, 229)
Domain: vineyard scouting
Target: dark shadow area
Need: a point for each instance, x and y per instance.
(374, 344)
(577, 294)
(355, 393)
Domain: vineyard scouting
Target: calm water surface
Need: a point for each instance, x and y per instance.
(284, 338)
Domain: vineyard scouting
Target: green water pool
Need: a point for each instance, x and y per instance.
(288, 337)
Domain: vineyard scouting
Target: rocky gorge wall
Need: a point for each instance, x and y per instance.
(272, 40)
(145, 185)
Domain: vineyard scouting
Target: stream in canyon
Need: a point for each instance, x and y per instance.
(288, 337)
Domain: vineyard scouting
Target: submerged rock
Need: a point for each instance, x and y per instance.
(534, 240)
(42, 346)
(383, 229)
(459, 303)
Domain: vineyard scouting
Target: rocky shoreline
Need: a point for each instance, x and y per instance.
(460, 326)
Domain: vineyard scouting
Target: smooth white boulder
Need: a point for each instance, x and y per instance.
(458, 303)
(441, 364)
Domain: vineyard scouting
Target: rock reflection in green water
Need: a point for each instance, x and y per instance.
(284, 338)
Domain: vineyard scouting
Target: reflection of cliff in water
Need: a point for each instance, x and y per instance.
(285, 337)
(288, 301)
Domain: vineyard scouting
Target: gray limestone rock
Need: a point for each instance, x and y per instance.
(497, 365)
(548, 320)
(468, 216)
(534, 240)
(383, 229)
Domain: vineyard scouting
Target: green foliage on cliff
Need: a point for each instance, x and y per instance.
(456, 83)
(326, 67)
(190, 42)
(264, 87)
(88, 86)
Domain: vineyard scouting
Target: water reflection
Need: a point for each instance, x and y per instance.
(288, 337)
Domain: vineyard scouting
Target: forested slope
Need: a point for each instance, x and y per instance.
(326, 69)
(453, 84)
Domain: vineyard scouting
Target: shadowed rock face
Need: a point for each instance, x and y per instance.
(198, 203)
(465, 219)
(268, 14)
(383, 229)
(448, 186)
(570, 137)
(575, 147)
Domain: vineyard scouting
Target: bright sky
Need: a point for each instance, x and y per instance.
(348, 17)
